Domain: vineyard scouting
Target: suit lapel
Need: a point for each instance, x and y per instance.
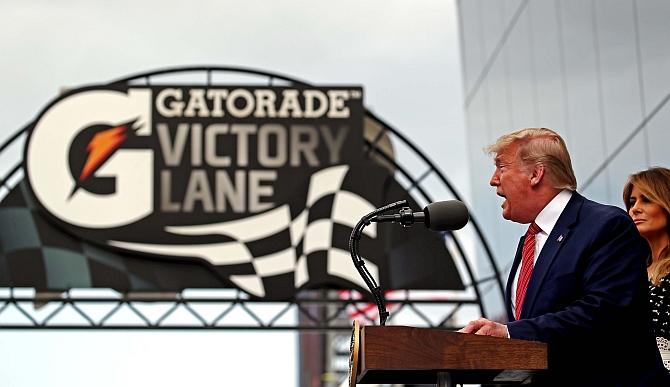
(510, 280)
(552, 246)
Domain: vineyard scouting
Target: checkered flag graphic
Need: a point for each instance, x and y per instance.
(299, 244)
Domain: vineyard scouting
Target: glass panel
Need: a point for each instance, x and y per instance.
(618, 69)
(547, 61)
(658, 131)
(493, 25)
(630, 160)
(499, 102)
(510, 9)
(520, 75)
(471, 38)
(582, 88)
(597, 189)
(654, 29)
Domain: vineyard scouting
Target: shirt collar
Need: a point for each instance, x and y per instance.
(549, 215)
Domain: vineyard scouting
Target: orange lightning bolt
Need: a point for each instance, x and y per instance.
(101, 147)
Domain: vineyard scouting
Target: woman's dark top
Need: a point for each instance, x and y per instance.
(659, 297)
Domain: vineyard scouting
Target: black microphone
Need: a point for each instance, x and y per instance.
(438, 216)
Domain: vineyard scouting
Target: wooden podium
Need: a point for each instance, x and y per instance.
(398, 354)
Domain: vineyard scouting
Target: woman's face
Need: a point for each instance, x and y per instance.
(649, 217)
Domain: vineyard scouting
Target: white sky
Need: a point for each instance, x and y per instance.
(404, 53)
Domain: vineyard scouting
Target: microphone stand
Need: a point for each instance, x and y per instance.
(359, 263)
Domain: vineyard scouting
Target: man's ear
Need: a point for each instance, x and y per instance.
(537, 174)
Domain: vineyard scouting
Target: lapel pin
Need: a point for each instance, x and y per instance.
(560, 238)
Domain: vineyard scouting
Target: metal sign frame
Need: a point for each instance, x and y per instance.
(317, 310)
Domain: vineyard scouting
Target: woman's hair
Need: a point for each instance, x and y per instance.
(654, 183)
(541, 146)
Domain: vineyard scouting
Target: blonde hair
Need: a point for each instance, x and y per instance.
(541, 146)
(654, 183)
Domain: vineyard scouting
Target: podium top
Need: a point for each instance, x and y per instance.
(399, 354)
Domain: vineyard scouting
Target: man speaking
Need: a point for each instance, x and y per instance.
(578, 281)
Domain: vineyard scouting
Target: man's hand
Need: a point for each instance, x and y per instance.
(485, 327)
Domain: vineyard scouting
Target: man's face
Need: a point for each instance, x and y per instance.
(512, 181)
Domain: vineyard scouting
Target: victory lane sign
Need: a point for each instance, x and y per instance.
(107, 163)
(247, 136)
(167, 187)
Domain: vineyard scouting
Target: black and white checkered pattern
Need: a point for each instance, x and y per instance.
(300, 244)
(275, 246)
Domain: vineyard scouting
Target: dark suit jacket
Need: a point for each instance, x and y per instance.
(588, 300)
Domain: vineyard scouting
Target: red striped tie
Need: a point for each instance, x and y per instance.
(527, 259)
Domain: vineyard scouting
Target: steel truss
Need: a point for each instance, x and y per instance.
(315, 312)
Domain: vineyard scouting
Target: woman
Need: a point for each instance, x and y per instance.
(647, 198)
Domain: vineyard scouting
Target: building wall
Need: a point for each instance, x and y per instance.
(595, 71)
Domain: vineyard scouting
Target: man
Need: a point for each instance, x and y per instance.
(578, 281)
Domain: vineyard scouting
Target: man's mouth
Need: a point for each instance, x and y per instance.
(504, 202)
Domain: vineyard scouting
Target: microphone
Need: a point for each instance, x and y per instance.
(439, 216)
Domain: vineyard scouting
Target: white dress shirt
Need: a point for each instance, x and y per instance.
(546, 220)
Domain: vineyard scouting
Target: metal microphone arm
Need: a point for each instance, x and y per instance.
(406, 217)
(359, 263)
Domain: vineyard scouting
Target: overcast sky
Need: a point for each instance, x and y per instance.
(404, 53)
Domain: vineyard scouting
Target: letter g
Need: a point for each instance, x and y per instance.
(48, 150)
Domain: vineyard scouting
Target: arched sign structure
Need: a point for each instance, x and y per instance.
(165, 183)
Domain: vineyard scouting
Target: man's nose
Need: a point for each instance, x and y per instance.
(494, 180)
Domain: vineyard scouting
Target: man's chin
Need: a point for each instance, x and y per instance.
(506, 213)
(508, 216)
